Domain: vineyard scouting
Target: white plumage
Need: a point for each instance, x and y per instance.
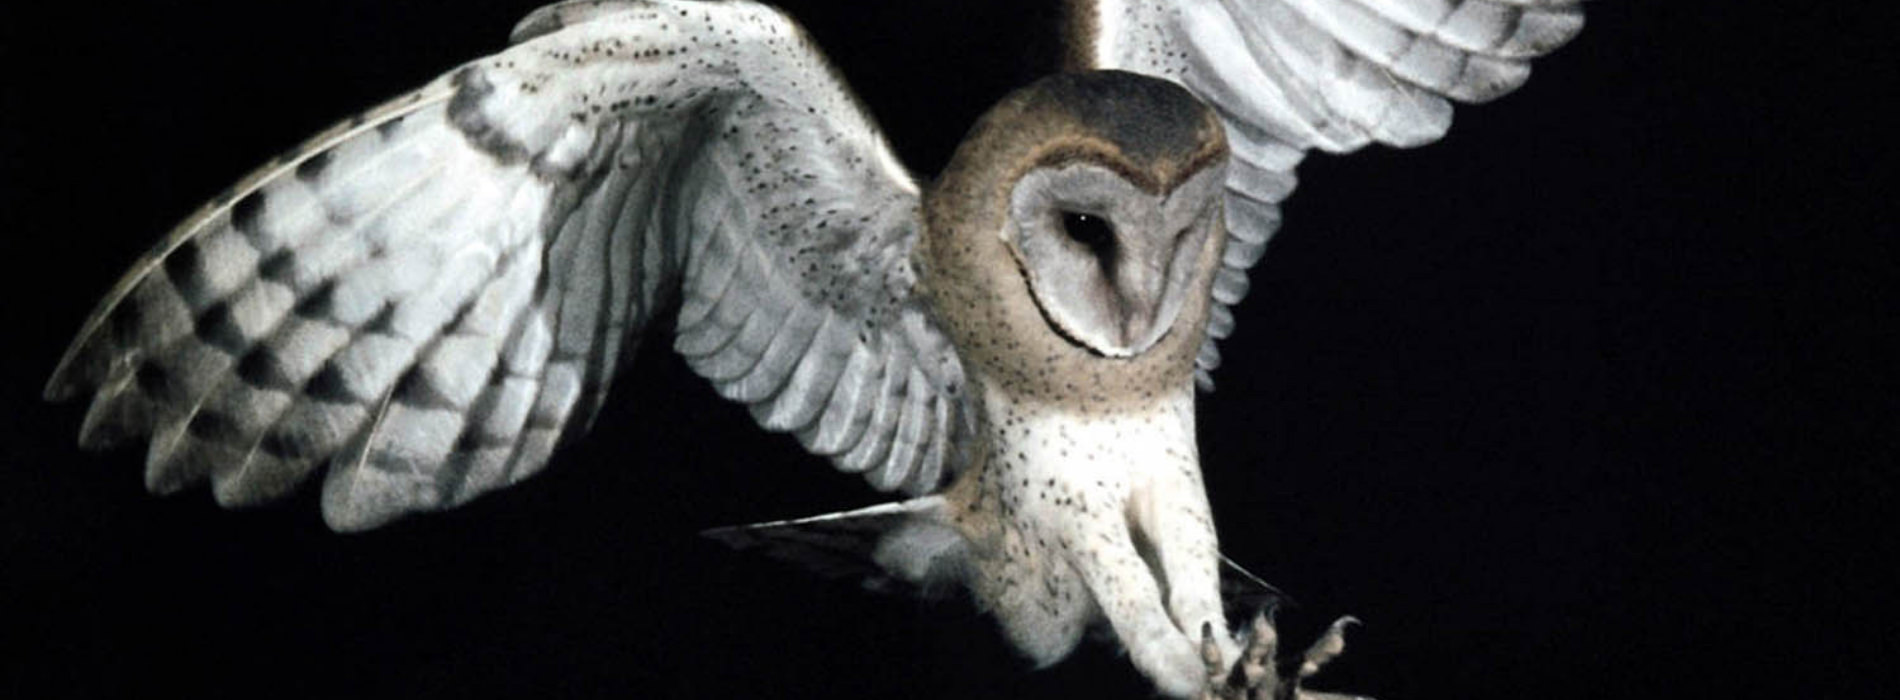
(430, 297)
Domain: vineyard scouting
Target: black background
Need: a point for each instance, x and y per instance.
(1594, 398)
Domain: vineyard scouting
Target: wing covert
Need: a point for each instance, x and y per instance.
(431, 296)
(1292, 75)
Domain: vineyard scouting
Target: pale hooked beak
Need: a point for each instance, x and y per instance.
(1138, 288)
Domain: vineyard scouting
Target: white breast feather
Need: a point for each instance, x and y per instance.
(1088, 509)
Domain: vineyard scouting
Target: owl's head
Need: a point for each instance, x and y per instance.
(1080, 218)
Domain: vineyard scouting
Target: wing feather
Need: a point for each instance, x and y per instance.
(431, 297)
(847, 413)
(717, 302)
(739, 356)
(935, 452)
(1292, 75)
(696, 337)
(806, 392)
(907, 445)
(500, 414)
(880, 430)
(779, 357)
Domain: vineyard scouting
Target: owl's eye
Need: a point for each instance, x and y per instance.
(1093, 232)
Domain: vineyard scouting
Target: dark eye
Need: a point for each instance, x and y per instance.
(1093, 232)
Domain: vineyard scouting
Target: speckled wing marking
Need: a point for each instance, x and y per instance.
(1291, 75)
(429, 297)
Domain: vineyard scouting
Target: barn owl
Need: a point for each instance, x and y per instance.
(428, 298)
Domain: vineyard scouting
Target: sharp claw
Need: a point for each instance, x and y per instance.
(1263, 641)
(1211, 661)
(1327, 647)
(1256, 662)
(1210, 651)
(1255, 676)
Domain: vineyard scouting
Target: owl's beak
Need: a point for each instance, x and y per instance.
(1139, 287)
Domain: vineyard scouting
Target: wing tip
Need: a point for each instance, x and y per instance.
(349, 509)
(348, 518)
(165, 482)
(107, 424)
(65, 382)
(59, 388)
(1558, 27)
(238, 486)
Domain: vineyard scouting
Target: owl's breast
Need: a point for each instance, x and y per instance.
(1059, 513)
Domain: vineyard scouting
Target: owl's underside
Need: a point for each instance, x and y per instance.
(426, 300)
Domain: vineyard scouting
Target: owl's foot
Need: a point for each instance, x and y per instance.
(1256, 676)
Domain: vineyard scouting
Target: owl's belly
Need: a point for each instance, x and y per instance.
(1073, 513)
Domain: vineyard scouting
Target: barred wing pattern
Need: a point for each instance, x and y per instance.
(1291, 75)
(430, 297)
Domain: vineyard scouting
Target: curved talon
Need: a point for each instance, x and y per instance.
(1254, 676)
(1262, 640)
(1211, 661)
(1327, 647)
(1255, 667)
(1210, 652)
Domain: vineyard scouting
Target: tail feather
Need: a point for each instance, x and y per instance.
(901, 547)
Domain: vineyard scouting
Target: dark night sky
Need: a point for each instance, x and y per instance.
(1594, 398)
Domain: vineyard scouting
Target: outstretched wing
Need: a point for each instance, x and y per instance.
(1291, 75)
(430, 296)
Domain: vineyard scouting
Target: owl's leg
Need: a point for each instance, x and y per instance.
(1171, 514)
(1129, 596)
